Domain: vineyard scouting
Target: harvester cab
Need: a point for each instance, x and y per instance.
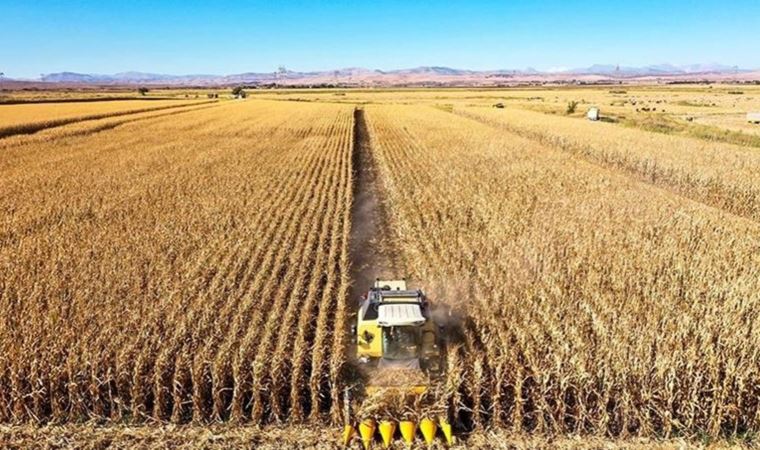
(395, 330)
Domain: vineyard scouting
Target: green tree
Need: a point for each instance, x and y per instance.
(142, 90)
(238, 91)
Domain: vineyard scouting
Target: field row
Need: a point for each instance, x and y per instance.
(722, 175)
(177, 269)
(32, 143)
(596, 304)
(31, 118)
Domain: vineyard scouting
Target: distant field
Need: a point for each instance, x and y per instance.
(714, 173)
(30, 118)
(730, 121)
(186, 264)
(23, 114)
(94, 95)
(706, 111)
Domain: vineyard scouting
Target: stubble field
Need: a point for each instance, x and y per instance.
(187, 265)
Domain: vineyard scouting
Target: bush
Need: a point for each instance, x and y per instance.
(571, 107)
(142, 90)
(238, 91)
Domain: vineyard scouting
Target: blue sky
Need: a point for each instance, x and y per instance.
(182, 37)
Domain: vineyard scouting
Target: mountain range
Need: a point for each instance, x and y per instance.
(427, 75)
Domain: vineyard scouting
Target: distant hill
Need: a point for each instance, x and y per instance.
(659, 69)
(425, 75)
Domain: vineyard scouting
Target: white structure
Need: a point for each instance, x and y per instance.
(593, 114)
(399, 315)
(753, 117)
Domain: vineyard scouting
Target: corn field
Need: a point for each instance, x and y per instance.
(188, 263)
(24, 118)
(598, 303)
(177, 270)
(721, 175)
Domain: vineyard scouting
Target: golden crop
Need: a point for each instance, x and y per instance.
(25, 118)
(596, 303)
(721, 175)
(191, 265)
(176, 268)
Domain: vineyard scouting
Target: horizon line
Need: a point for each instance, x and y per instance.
(549, 70)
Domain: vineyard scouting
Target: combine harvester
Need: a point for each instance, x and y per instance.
(395, 336)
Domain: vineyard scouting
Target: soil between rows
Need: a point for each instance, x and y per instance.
(371, 243)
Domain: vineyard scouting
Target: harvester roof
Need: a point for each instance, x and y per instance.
(400, 314)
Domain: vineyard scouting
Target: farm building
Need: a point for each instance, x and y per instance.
(593, 114)
(753, 117)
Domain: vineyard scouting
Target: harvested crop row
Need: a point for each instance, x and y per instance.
(25, 119)
(721, 175)
(93, 126)
(597, 304)
(173, 270)
(226, 436)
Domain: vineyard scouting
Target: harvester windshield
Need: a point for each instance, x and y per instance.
(401, 342)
